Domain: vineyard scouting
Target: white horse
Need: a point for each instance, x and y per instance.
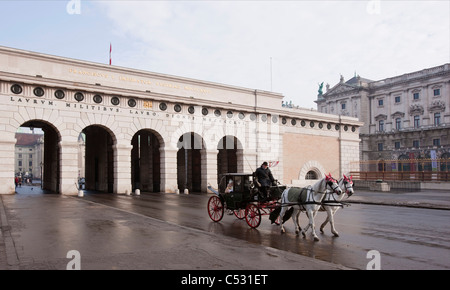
(308, 199)
(331, 202)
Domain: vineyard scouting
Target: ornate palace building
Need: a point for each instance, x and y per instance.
(405, 117)
(155, 132)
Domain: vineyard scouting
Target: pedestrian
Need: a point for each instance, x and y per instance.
(20, 181)
(16, 181)
(264, 179)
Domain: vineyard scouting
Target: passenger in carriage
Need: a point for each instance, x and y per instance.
(229, 186)
(264, 179)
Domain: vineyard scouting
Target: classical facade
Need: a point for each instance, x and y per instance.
(405, 117)
(155, 132)
(29, 155)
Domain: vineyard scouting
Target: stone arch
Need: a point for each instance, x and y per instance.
(314, 166)
(187, 128)
(230, 156)
(100, 158)
(146, 159)
(157, 127)
(48, 155)
(192, 163)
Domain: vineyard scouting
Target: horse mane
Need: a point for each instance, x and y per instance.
(321, 183)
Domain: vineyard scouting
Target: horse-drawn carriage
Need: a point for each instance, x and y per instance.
(239, 193)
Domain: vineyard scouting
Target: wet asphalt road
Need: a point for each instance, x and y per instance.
(407, 238)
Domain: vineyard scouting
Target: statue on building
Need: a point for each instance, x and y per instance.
(320, 89)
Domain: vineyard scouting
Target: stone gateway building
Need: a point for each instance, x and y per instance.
(156, 132)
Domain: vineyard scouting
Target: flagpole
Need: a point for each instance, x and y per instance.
(110, 50)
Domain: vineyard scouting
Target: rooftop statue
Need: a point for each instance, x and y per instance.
(320, 89)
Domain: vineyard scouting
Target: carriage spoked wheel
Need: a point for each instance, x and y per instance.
(252, 215)
(239, 213)
(215, 208)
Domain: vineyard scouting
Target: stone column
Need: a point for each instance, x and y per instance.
(68, 168)
(168, 169)
(7, 156)
(122, 168)
(209, 168)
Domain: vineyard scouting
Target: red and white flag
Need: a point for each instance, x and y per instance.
(110, 50)
(273, 163)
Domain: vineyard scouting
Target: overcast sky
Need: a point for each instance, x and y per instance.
(284, 46)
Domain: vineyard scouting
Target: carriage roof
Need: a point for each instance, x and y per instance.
(236, 174)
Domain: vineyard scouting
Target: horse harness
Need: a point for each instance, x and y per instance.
(305, 196)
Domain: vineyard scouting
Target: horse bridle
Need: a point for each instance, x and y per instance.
(330, 183)
(345, 186)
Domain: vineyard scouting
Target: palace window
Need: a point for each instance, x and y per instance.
(436, 142)
(380, 146)
(380, 102)
(397, 145)
(416, 121)
(416, 96)
(436, 92)
(398, 123)
(437, 119)
(397, 99)
(416, 143)
(381, 125)
(343, 106)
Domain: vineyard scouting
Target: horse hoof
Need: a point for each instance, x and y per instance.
(336, 234)
(297, 232)
(316, 239)
(304, 235)
(321, 230)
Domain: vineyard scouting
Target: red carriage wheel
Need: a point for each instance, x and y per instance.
(252, 215)
(215, 208)
(239, 213)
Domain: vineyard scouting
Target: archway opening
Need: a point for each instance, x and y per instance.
(145, 162)
(99, 159)
(189, 162)
(229, 157)
(37, 156)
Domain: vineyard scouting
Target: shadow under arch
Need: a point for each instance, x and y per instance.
(190, 156)
(230, 158)
(99, 158)
(146, 160)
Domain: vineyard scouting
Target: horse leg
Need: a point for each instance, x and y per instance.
(296, 213)
(299, 228)
(283, 211)
(325, 222)
(313, 227)
(307, 226)
(333, 229)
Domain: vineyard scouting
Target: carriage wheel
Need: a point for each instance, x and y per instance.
(215, 208)
(252, 215)
(239, 213)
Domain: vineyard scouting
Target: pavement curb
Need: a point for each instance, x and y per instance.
(400, 204)
(12, 258)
